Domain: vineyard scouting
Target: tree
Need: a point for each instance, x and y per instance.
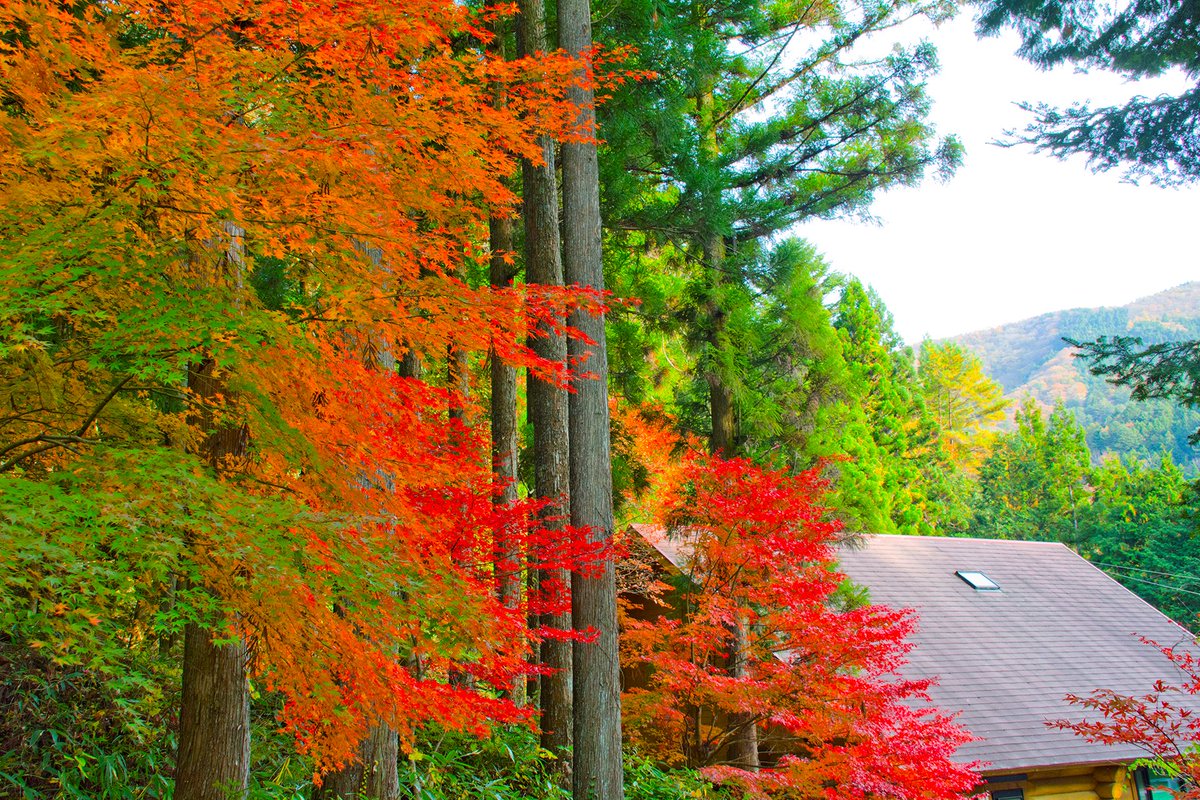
(596, 768)
(1140, 529)
(1147, 137)
(214, 709)
(964, 401)
(819, 681)
(1033, 485)
(1166, 369)
(548, 409)
(1161, 722)
(689, 162)
(901, 477)
(132, 136)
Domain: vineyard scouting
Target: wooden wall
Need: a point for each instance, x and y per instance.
(1106, 782)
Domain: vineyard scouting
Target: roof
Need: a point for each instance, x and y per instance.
(674, 550)
(1006, 658)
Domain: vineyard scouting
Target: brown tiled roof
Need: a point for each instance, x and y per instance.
(1006, 658)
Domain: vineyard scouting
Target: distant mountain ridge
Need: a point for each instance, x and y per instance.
(1029, 358)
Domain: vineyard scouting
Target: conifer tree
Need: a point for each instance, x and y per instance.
(879, 488)
(1164, 369)
(964, 401)
(1140, 526)
(596, 771)
(1032, 485)
(548, 408)
(696, 168)
(1151, 137)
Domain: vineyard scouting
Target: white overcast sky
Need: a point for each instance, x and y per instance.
(1014, 234)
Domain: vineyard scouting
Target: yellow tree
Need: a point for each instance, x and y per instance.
(965, 402)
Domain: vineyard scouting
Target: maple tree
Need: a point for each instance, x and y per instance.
(357, 152)
(820, 681)
(1162, 722)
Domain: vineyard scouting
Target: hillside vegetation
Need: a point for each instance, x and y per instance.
(1030, 359)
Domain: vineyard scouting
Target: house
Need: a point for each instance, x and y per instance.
(1010, 628)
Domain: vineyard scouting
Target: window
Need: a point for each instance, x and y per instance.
(1008, 794)
(1153, 784)
(978, 581)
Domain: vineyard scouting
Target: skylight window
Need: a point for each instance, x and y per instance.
(978, 581)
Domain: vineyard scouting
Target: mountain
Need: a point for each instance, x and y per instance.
(1029, 358)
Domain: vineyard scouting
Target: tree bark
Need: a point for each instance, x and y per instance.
(458, 380)
(509, 559)
(214, 719)
(548, 412)
(510, 566)
(213, 760)
(712, 245)
(743, 750)
(375, 773)
(597, 768)
(722, 441)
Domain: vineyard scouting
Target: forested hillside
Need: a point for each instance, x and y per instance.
(1030, 359)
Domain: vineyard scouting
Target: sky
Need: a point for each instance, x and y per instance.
(1014, 233)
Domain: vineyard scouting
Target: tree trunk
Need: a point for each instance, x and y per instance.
(743, 750)
(509, 560)
(374, 771)
(214, 719)
(720, 404)
(343, 784)
(722, 441)
(720, 399)
(373, 776)
(213, 761)
(458, 381)
(597, 767)
(548, 409)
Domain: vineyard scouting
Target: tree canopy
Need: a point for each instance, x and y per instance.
(1154, 137)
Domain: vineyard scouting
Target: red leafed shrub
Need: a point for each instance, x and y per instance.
(755, 632)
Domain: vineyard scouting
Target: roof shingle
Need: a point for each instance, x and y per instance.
(1006, 658)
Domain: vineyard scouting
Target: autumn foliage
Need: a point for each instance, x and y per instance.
(833, 717)
(289, 190)
(1163, 722)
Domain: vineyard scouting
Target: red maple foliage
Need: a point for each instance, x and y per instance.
(1163, 722)
(833, 717)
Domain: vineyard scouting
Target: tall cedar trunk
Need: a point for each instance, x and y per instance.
(743, 750)
(410, 365)
(342, 784)
(721, 442)
(509, 567)
(213, 761)
(597, 768)
(214, 719)
(459, 382)
(720, 399)
(548, 408)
